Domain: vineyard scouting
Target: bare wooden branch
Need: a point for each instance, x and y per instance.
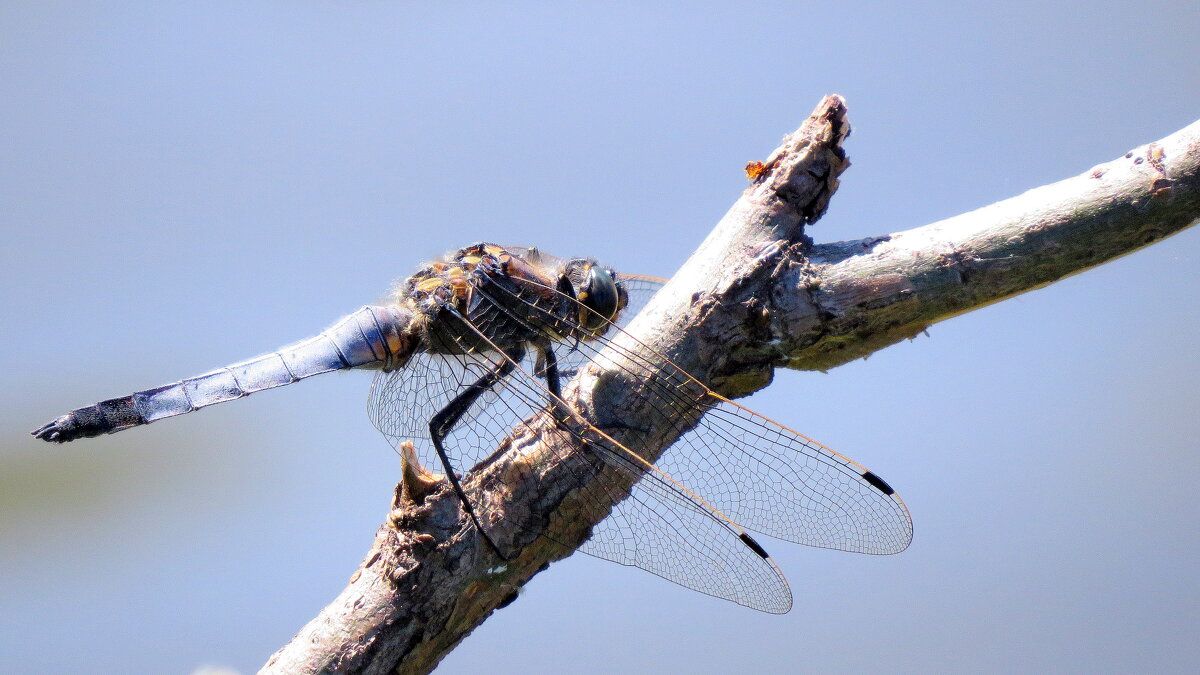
(757, 294)
(857, 297)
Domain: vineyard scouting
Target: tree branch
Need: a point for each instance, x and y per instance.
(757, 294)
(854, 298)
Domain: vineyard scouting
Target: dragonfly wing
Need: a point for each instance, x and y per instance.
(403, 401)
(648, 520)
(773, 480)
(765, 476)
(667, 533)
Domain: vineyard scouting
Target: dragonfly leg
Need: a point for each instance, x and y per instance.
(553, 383)
(448, 417)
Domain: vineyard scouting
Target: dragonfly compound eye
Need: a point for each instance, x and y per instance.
(602, 295)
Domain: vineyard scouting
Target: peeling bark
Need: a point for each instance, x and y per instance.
(756, 295)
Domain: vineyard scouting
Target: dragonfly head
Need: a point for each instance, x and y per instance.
(600, 293)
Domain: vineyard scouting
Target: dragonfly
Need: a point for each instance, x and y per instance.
(480, 348)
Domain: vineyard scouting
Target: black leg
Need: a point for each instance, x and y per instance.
(445, 420)
(553, 383)
(551, 371)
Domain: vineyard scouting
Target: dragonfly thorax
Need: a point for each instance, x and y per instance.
(512, 296)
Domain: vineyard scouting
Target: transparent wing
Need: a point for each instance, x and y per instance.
(402, 403)
(763, 475)
(656, 525)
(659, 528)
(773, 480)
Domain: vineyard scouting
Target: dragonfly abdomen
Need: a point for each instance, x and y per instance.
(372, 337)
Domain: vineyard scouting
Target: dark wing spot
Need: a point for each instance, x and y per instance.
(754, 545)
(878, 483)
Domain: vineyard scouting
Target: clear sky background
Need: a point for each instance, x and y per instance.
(184, 185)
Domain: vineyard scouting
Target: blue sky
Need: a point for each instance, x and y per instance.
(183, 185)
